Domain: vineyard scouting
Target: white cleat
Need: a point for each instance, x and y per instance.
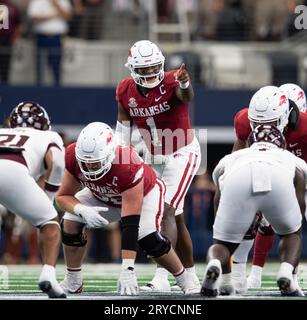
(156, 285)
(176, 288)
(253, 282)
(227, 290)
(298, 288)
(188, 283)
(240, 284)
(48, 283)
(71, 287)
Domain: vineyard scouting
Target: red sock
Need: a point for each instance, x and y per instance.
(263, 245)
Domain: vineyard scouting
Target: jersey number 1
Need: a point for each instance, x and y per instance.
(154, 133)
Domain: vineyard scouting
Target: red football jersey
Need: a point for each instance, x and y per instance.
(126, 172)
(296, 138)
(162, 119)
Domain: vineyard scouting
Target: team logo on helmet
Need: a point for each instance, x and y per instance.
(283, 100)
(269, 134)
(29, 114)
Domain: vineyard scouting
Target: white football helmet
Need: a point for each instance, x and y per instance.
(146, 64)
(95, 150)
(269, 104)
(296, 94)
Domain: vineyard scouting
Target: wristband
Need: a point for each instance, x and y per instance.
(184, 85)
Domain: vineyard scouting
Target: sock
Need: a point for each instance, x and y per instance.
(241, 253)
(216, 263)
(256, 272)
(239, 270)
(74, 274)
(226, 279)
(181, 277)
(180, 272)
(47, 273)
(263, 245)
(48, 269)
(161, 274)
(191, 270)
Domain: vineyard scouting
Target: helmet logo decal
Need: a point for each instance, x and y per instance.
(283, 100)
(300, 95)
(109, 137)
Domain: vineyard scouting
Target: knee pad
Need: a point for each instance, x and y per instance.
(266, 230)
(73, 240)
(155, 244)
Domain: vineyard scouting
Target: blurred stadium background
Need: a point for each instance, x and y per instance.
(230, 48)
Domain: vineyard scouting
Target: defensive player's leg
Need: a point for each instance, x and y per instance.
(29, 201)
(229, 228)
(283, 212)
(240, 256)
(263, 244)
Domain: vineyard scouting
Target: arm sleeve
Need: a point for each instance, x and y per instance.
(123, 134)
(54, 180)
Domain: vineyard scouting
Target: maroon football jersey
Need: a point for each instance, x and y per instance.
(162, 119)
(126, 172)
(296, 138)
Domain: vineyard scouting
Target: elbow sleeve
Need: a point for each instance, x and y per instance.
(53, 182)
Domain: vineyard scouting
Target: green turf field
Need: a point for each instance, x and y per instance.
(100, 282)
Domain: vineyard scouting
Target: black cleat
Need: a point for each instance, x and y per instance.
(284, 287)
(211, 277)
(46, 287)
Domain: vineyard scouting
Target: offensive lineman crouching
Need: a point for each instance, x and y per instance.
(116, 177)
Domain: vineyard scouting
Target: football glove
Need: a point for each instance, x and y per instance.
(91, 215)
(127, 282)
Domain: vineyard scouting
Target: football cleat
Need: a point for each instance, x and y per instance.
(156, 285)
(253, 282)
(175, 288)
(284, 285)
(48, 283)
(286, 282)
(71, 288)
(72, 284)
(210, 283)
(227, 290)
(240, 284)
(186, 281)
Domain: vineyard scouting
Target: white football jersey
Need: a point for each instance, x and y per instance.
(272, 155)
(34, 144)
